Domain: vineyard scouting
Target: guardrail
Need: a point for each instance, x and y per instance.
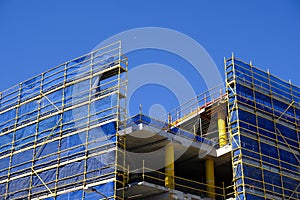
(195, 104)
(145, 174)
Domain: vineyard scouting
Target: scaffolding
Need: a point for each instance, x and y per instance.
(263, 122)
(64, 134)
(59, 131)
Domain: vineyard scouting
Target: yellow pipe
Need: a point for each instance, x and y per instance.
(223, 140)
(169, 166)
(210, 178)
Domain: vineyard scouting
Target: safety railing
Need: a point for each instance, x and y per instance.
(194, 105)
(184, 185)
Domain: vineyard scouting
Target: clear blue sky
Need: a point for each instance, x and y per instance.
(37, 35)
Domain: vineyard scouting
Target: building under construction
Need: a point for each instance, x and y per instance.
(65, 134)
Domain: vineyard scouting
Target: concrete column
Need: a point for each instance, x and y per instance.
(169, 166)
(223, 140)
(210, 178)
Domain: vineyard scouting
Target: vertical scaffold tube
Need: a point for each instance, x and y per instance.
(223, 140)
(169, 166)
(210, 178)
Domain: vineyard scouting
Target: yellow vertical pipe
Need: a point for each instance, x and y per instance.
(210, 178)
(169, 166)
(223, 140)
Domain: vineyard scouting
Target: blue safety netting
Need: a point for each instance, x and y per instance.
(59, 123)
(263, 118)
(160, 125)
